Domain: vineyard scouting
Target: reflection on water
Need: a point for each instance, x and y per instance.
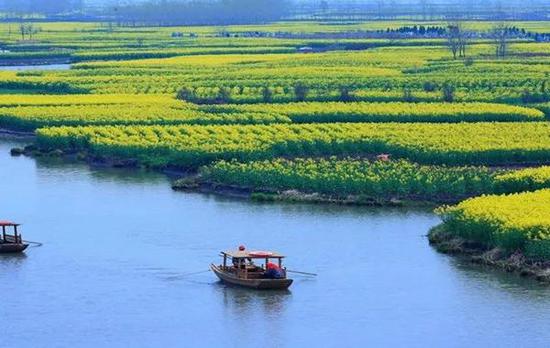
(256, 310)
(242, 303)
(59, 167)
(489, 276)
(11, 261)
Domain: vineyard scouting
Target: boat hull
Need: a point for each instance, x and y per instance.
(260, 284)
(10, 248)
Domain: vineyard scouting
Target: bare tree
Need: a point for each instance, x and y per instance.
(32, 30)
(28, 30)
(462, 42)
(23, 30)
(500, 34)
(456, 39)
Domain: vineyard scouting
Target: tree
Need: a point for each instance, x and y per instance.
(448, 91)
(23, 30)
(345, 95)
(453, 32)
(267, 94)
(408, 96)
(300, 91)
(457, 39)
(468, 61)
(224, 95)
(429, 86)
(187, 94)
(28, 30)
(462, 43)
(32, 30)
(500, 38)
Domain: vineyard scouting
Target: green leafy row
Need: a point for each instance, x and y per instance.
(389, 112)
(343, 177)
(513, 222)
(193, 146)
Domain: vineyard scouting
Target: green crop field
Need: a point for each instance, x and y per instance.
(517, 221)
(352, 177)
(192, 146)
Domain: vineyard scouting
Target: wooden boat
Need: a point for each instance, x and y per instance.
(243, 272)
(11, 243)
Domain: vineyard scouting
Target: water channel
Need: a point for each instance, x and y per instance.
(119, 247)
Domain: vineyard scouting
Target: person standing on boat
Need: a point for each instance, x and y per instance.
(273, 271)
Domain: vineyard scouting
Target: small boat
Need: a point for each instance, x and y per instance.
(11, 243)
(243, 272)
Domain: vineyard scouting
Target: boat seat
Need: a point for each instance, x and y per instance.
(255, 275)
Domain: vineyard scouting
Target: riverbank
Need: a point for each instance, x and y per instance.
(516, 262)
(16, 134)
(345, 181)
(193, 183)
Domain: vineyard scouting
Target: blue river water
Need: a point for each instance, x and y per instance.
(119, 248)
(35, 67)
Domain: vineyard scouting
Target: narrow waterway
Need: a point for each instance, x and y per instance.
(35, 67)
(118, 247)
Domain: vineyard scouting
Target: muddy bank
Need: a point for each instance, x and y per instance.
(92, 160)
(190, 180)
(516, 262)
(6, 133)
(194, 183)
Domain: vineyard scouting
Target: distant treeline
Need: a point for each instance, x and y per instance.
(222, 12)
(45, 7)
(422, 9)
(218, 12)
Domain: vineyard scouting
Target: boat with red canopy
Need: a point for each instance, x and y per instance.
(11, 243)
(244, 272)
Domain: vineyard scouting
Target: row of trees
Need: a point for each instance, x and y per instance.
(458, 38)
(302, 91)
(28, 30)
(25, 30)
(423, 9)
(417, 30)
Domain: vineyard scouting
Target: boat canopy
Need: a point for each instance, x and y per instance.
(7, 223)
(254, 254)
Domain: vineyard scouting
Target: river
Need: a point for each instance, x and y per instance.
(118, 247)
(35, 67)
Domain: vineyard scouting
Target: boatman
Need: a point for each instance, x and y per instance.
(273, 271)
